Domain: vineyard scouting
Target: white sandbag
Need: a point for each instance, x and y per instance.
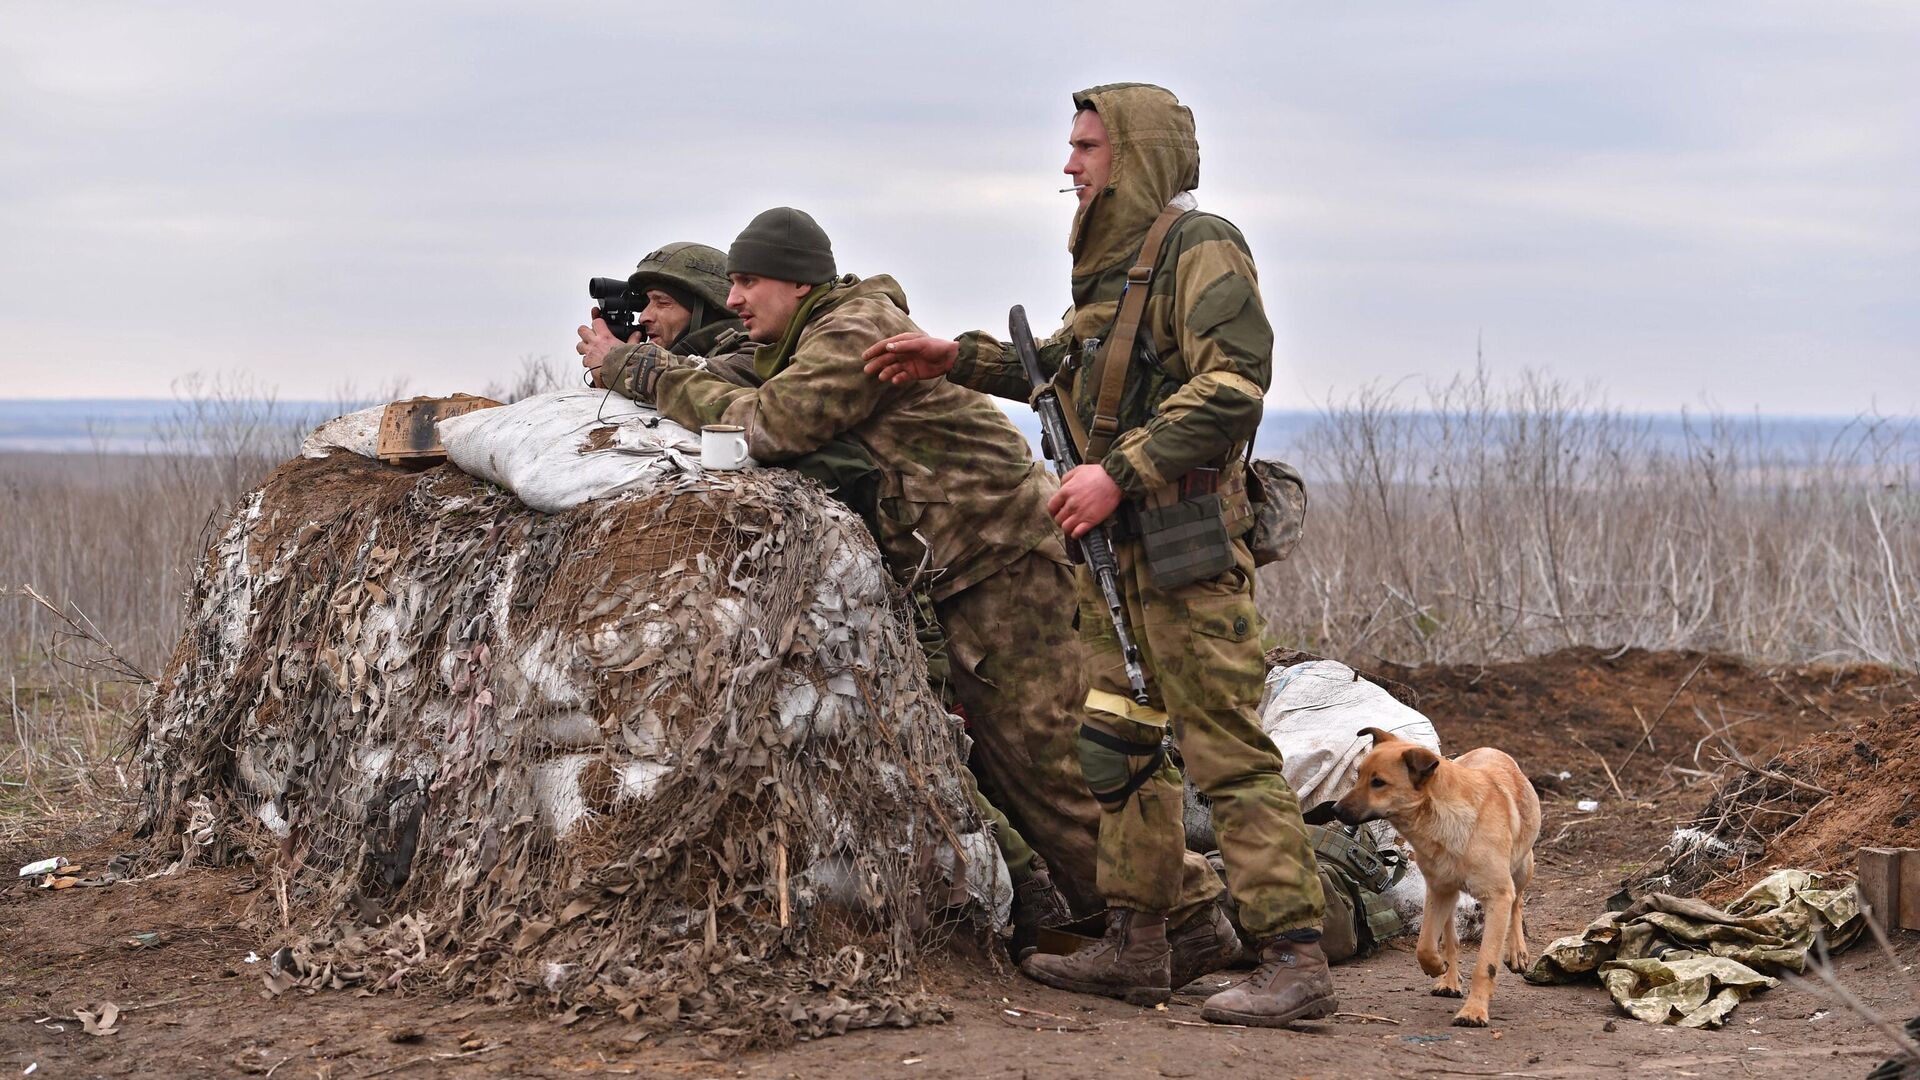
(356, 432)
(1313, 712)
(558, 450)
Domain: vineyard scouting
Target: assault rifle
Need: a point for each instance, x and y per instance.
(618, 306)
(1096, 544)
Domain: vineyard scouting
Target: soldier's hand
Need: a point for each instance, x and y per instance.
(595, 342)
(906, 357)
(1087, 497)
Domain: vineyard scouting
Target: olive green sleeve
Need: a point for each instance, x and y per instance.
(989, 365)
(1226, 348)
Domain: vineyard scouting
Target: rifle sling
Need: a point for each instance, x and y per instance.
(1111, 373)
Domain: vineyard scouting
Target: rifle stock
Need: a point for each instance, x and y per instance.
(1096, 545)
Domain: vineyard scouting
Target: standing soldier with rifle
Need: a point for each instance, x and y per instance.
(1163, 362)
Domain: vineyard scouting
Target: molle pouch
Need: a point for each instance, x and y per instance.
(1184, 541)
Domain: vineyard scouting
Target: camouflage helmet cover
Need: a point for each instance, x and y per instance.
(684, 267)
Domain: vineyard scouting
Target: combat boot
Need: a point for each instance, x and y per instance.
(1037, 905)
(1292, 983)
(1204, 944)
(1132, 962)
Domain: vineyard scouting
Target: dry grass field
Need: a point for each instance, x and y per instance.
(1517, 553)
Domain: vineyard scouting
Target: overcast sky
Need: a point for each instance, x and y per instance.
(1681, 204)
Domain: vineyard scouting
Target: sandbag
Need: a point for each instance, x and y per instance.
(1313, 712)
(558, 450)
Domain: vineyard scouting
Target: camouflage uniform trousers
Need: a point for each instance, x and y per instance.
(1201, 646)
(1019, 671)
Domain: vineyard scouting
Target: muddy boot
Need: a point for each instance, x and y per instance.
(1037, 904)
(1130, 963)
(1290, 984)
(1204, 944)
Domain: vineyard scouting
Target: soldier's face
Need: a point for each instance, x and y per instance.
(766, 305)
(663, 320)
(1089, 154)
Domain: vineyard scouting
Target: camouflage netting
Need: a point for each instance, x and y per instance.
(671, 755)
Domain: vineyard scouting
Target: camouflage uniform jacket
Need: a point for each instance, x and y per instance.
(1203, 359)
(961, 496)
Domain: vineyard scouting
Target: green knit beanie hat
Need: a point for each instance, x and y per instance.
(784, 244)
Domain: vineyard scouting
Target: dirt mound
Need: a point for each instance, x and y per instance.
(1811, 807)
(1652, 717)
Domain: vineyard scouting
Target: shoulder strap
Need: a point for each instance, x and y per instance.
(1111, 377)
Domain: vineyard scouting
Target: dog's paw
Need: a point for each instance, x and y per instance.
(1447, 989)
(1519, 965)
(1471, 1016)
(1432, 964)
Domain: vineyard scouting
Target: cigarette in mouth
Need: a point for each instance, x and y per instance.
(1076, 187)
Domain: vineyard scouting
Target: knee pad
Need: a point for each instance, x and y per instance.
(1104, 764)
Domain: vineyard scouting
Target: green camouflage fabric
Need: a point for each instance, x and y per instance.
(1203, 360)
(1680, 960)
(1016, 666)
(1201, 646)
(1192, 398)
(1017, 671)
(708, 339)
(954, 469)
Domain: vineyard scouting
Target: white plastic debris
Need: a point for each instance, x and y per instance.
(44, 866)
(251, 958)
(1587, 806)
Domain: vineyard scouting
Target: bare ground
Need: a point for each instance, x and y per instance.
(193, 1007)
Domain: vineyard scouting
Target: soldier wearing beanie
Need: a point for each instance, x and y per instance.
(959, 501)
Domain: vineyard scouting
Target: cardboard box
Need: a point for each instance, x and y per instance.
(407, 435)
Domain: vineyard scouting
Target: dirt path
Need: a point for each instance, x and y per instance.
(193, 1007)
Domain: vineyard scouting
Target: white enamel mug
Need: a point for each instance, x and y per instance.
(723, 447)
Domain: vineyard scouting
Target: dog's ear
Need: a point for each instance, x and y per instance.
(1378, 735)
(1420, 763)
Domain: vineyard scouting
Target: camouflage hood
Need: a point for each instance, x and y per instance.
(1155, 157)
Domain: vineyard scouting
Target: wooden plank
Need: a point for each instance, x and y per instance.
(1908, 917)
(1878, 869)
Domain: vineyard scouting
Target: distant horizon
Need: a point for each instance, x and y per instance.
(132, 426)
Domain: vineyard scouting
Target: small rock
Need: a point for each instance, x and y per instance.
(1609, 1026)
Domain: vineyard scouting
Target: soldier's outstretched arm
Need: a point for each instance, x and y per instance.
(976, 360)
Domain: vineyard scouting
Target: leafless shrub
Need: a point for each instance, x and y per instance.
(537, 375)
(1491, 523)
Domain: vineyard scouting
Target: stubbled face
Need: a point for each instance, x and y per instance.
(1089, 154)
(766, 305)
(663, 320)
(1392, 781)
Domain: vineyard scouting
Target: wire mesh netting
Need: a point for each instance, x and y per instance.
(671, 755)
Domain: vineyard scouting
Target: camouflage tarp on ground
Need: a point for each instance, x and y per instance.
(671, 755)
(1673, 959)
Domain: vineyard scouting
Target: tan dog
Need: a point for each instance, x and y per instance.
(1472, 822)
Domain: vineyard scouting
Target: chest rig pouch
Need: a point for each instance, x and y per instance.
(1181, 527)
(1182, 531)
